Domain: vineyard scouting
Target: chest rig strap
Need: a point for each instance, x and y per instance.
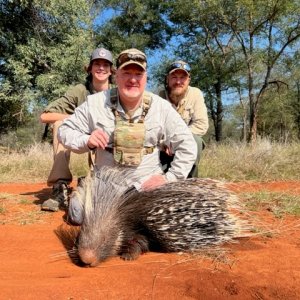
(129, 136)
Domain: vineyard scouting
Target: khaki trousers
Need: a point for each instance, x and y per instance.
(61, 160)
(200, 146)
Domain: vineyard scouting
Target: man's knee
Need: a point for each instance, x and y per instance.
(200, 145)
(75, 209)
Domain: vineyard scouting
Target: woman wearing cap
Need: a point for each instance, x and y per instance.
(189, 103)
(99, 78)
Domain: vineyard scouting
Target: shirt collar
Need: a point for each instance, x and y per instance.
(137, 113)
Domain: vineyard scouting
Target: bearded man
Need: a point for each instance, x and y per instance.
(189, 103)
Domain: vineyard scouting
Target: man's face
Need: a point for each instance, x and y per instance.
(131, 81)
(101, 70)
(178, 82)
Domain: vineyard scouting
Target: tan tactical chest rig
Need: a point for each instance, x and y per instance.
(129, 136)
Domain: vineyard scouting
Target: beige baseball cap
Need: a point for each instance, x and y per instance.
(179, 65)
(132, 56)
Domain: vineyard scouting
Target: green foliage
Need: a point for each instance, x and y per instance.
(44, 47)
(24, 136)
(137, 24)
(236, 46)
(243, 48)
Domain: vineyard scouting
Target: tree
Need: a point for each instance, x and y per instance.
(216, 33)
(134, 24)
(43, 50)
(209, 48)
(290, 67)
(265, 30)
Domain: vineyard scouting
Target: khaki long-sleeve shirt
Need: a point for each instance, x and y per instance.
(192, 109)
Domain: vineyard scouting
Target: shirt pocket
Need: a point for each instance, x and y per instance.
(108, 126)
(187, 115)
(153, 134)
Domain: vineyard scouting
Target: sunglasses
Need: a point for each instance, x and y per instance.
(130, 57)
(179, 65)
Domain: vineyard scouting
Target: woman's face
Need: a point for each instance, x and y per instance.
(101, 70)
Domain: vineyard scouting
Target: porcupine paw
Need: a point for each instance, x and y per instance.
(134, 247)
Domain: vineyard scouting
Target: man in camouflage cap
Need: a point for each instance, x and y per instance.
(189, 103)
(126, 125)
(99, 78)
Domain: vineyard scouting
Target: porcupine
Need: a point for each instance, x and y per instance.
(185, 215)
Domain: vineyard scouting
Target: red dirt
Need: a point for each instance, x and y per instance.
(32, 265)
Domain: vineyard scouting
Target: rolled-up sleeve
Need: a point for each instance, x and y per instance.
(66, 104)
(75, 130)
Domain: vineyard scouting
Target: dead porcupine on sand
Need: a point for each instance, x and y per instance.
(187, 215)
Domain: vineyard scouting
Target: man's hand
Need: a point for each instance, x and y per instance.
(154, 182)
(98, 139)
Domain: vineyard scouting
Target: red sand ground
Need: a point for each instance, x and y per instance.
(31, 267)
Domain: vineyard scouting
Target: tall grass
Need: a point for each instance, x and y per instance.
(34, 163)
(267, 161)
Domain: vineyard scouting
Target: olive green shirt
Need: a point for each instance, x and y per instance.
(74, 97)
(192, 109)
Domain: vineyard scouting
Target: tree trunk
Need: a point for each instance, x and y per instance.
(244, 129)
(253, 130)
(253, 108)
(219, 112)
(298, 110)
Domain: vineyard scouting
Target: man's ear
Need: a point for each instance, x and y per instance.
(166, 81)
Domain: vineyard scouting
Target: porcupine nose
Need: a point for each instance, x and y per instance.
(88, 257)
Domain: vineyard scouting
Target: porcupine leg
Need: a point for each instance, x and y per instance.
(135, 246)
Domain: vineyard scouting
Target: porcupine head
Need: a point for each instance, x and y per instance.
(101, 234)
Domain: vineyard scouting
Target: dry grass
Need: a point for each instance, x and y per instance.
(234, 161)
(34, 163)
(266, 161)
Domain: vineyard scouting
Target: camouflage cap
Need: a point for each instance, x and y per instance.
(132, 56)
(179, 65)
(101, 53)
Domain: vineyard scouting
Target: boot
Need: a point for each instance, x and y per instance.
(59, 197)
